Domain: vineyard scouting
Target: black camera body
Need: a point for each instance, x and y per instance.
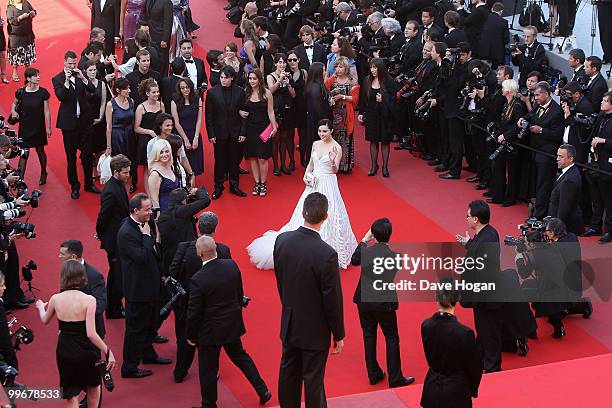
(524, 128)
(25, 228)
(176, 290)
(585, 120)
(244, 302)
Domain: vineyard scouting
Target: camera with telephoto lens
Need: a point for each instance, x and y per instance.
(394, 65)
(493, 133)
(524, 91)
(244, 302)
(519, 243)
(422, 112)
(25, 228)
(513, 46)
(176, 290)
(585, 120)
(22, 335)
(26, 270)
(524, 128)
(448, 63)
(32, 198)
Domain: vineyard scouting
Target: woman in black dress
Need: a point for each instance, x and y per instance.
(35, 120)
(79, 347)
(2, 49)
(187, 113)
(317, 108)
(97, 104)
(144, 125)
(295, 118)
(22, 51)
(375, 112)
(258, 114)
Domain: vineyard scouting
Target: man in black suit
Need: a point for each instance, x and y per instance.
(114, 208)
(567, 190)
(455, 34)
(75, 120)
(105, 14)
(495, 35)
(73, 249)
(410, 53)
(223, 125)
(309, 51)
(157, 19)
(575, 60)
(453, 377)
(474, 23)
(139, 258)
(214, 321)
(194, 66)
(529, 57)
(546, 126)
(143, 71)
(185, 264)
(378, 308)
(487, 312)
(597, 85)
(167, 85)
(308, 281)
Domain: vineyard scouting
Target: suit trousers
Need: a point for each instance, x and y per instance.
(164, 57)
(387, 320)
(480, 146)
(564, 17)
(226, 161)
(140, 327)
(604, 184)
(114, 293)
(604, 14)
(184, 351)
(208, 360)
(79, 139)
(10, 267)
(471, 148)
(456, 136)
(505, 189)
(545, 179)
(302, 366)
(489, 337)
(443, 153)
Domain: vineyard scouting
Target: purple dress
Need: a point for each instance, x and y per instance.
(188, 117)
(132, 15)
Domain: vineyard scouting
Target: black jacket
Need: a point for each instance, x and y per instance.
(473, 25)
(107, 18)
(139, 258)
(319, 54)
(603, 129)
(186, 261)
(308, 281)
(411, 53)
(565, 200)
(68, 97)
(114, 208)
(595, 91)
(135, 78)
(395, 45)
(531, 59)
(580, 76)
(167, 89)
(201, 72)
(95, 287)
(158, 17)
(455, 365)
(495, 36)
(579, 135)
(456, 36)
(223, 121)
(553, 125)
(365, 296)
(214, 314)
(7, 351)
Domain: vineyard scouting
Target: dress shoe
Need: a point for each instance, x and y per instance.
(440, 168)
(492, 201)
(559, 332)
(434, 162)
(481, 186)
(216, 194)
(27, 299)
(403, 382)
(427, 157)
(92, 189)
(448, 176)
(265, 398)
(473, 179)
(588, 310)
(179, 377)
(385, 172)
(116, 315)
(522, 347)
(373, 170)
(378, 378)
(75, 194)
(137, 374)
(158, 360)
(160, 339)
(242, 171)
(605, 238)
(508, 203)
(487, 194)
(591, 232)
(238, 192)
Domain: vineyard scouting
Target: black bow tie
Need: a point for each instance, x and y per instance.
(188, 61)
(309, 46)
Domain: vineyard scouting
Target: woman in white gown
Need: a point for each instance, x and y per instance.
(320, 177)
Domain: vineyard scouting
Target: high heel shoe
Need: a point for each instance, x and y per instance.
(385, 171)
(373, 170)
(43, 179)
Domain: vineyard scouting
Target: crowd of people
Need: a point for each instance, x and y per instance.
(435, 78)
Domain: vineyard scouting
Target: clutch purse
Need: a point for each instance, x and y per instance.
(266, 134)
(311, 180)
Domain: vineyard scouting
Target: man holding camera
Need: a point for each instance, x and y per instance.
(546, 125)
(529, 57)
(214, 321)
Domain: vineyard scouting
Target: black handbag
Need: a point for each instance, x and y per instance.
(12, 120)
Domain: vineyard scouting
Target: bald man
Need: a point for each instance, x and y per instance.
(214, 321)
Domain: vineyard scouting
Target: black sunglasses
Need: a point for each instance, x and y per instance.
(292, 59)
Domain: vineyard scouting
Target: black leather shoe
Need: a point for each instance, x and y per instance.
(487, 194)
(448, 176)
(385, 172)
(216, 194)
(473, 179)
(75, 194)
(427, 157)
(605, 238)
(242, 171)
(265, 398)
(559, 332)
(508, 203)
(434, 162)
(158, 360)
(440, 168)
(160, 339)
(276, 171)
(238, 192)
(373, 170)
(481, 186)
(179, 378)
(591, 232)
(378, 378)
(291, 167)
(403, 382)
(588, 310)
(137, 374)
(492, 201)
(522, 347)
(92, 189)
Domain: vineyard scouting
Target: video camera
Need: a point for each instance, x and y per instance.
(530, 225)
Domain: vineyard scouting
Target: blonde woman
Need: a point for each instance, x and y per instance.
(162, 179)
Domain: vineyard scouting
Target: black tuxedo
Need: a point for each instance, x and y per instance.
(473, 25)
(95, 287)
(138, 257)
(411, 53)
(158, 16)
(223, 123)
(167, 88)
(553, 125)
(453, 38)
(565, 200)
(201, 77)
(308, 281)
(455, 367)
(374, 313)
(214, 321)
(495, 35)
(578, 134)
(580, 76)
(107, 19)
(77, 131)
(531, 59)
(319, 54)
(395, 45)
(487, 312)
(595, 91)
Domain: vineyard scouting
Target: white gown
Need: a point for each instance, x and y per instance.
(336, 230)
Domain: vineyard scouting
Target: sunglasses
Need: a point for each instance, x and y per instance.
(292, 59)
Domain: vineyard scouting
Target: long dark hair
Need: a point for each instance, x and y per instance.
(381, 73)
(178, 98)
(261, 89)
(315, 78)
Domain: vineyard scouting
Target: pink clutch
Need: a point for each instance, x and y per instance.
(266, 134)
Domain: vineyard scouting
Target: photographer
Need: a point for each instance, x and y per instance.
(374, 36)
(530, 56)
(574, 102)
(395, 41)
(7, 349)
(427, 85)
(601, 185)
(526, 92)
(545, 124)
(345, 17)
(506, 166)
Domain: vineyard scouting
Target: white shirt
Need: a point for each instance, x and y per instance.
(192, 71)
(563, 170)
(207, 261)
(78, 107)
(102, 4)
(309, 51)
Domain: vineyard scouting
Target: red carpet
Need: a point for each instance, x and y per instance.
(419, 211)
